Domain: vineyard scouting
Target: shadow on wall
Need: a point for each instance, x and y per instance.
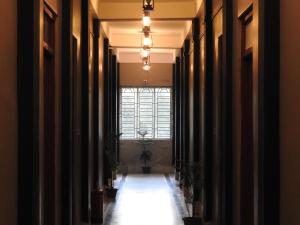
(130, 151)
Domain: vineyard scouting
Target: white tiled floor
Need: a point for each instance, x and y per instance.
(146, 200)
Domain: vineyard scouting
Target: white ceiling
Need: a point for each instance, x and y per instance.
(169, 28)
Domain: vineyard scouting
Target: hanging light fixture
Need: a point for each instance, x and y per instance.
(146, 19)
(145, 53)
(146, 67)
(148, 5)
(147, 41)
(146, 60)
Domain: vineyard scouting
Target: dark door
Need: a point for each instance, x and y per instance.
(247, 152)
(49, 117)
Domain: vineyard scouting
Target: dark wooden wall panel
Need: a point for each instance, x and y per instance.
(217, 32)
(106, 71)
(29, 47)
(67, 121)
(208, 116)
(173, 115)
(96, 119)
(185, 103)
(177, 90)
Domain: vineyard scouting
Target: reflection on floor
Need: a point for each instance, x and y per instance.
(146, 200)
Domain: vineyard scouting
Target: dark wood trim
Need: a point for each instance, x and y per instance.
(214, 14)
(48, 109)
(28, 75)
(177, 127)
(85, 148)
(96, 154)
(196, 117)
(109, 111)
(269, 77)
(66, 113)
(248, 12)
(118, 111)
(182, 132)
(173, 114)
(49, 10)
(227, 131)
(114, 91)
(185, 100)
(248, 151)
(208, 114)
(196, 90)
(106, 107)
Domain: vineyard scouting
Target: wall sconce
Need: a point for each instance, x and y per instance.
(148, 5)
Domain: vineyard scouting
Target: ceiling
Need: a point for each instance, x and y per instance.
(171, 23)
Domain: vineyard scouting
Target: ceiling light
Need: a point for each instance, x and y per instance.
(145, 53)
(147, 41)
(146, 67)
(146, 20)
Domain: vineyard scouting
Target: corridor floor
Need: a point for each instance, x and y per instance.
(146, 200)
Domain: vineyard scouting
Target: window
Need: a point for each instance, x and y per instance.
(145, 109)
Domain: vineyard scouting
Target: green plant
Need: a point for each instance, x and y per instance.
(192, 181)
(146, 155)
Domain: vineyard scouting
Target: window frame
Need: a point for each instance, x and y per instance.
(154, 115)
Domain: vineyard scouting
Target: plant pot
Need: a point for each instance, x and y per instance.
(111, 192)
(146, 169)
(192, 221)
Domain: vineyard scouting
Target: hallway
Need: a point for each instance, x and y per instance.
(203, 90)
(147, 200)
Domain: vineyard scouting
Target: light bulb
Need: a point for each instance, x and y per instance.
(145, 53)
(146, 21)
(147, 41)
(146, 67)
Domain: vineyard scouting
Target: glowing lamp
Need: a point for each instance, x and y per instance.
(146, 20)
(147, 41)
(145, 53)
(146, 67)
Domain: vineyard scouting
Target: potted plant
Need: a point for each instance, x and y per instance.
(146, 155)
(111, 154)
(192, 185)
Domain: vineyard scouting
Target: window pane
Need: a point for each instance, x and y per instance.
(145, 109)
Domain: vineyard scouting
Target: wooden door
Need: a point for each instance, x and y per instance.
(247, 150)
(49, 117)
